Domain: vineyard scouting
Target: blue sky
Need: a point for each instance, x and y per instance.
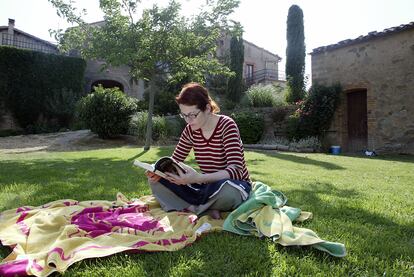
(264, 21)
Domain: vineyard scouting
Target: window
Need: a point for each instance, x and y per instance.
(249, 71)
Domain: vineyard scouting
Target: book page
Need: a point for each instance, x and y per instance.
(143, 165)
(149, 167)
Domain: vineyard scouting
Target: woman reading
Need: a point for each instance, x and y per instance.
(224, 181)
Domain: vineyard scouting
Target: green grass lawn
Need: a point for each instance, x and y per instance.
(365, 203)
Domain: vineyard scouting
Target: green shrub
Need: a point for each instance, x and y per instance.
(29, 81)
(142, 106)
(2, 110)
(229, 105)
(138, 126)
(251, 126)
(175, 126)
(107, 111)
(314, 114)
(42, 125)
(292, 127)
(164, 102)
(263, 96)
(10, 132)
(61, 105)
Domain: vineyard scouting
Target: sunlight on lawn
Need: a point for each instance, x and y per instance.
(365, 203)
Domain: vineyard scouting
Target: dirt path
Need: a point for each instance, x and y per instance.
(63, 141)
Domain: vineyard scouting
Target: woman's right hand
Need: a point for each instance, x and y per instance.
(152, 177)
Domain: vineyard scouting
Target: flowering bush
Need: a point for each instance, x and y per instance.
(315, 113)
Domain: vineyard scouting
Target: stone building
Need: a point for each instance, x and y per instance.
(11, 36)
(376, 72)
(260, 66)
(111, 76)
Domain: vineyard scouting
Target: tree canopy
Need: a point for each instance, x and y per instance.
(157, 41)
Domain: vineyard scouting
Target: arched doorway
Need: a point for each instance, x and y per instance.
(107, 84)
(357, 120)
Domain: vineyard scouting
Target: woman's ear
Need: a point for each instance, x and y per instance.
(208, 108)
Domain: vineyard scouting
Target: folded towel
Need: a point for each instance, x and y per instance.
(265, 214)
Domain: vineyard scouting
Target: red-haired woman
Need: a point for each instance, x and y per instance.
(224, 182)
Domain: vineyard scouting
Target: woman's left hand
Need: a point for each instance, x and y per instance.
(191, 176)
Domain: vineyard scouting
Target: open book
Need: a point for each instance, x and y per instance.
(164, 164)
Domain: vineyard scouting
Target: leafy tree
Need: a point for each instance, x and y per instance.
(235, 84)
(158, 42)
(295, 55)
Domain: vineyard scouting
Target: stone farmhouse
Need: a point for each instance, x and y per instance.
(376, 72)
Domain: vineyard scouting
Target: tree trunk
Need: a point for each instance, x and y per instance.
(148, 135)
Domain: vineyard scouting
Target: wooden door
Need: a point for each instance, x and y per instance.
(357, 121)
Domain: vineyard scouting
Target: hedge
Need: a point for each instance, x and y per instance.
(30, 81)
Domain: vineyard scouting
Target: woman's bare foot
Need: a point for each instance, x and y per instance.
(215, 214)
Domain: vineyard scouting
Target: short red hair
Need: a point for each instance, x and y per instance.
(194, 94)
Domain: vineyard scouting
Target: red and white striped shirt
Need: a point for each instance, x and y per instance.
(222, 151)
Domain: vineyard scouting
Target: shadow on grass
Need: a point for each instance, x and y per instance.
(36, 182)
(343, 215)
(311, 190)
(339, 216)
(402, 158)
(302, 160)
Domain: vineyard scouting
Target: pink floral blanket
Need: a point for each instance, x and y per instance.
(51, 237)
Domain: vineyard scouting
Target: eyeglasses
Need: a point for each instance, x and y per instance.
(190, 115)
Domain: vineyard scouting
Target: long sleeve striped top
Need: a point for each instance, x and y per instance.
(222, 151)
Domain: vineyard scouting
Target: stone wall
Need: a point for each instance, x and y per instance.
(384, 67)
(275, 119)
(119, 74)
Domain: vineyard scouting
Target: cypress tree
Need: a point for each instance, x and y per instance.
(235, 83)
(295, 55)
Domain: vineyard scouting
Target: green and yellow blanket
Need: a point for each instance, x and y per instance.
(265, 214)
(51, 237)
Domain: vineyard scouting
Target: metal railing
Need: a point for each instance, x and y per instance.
(11, 40)
(264, 76)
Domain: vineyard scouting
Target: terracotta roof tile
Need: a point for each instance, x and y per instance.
(370, 35)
